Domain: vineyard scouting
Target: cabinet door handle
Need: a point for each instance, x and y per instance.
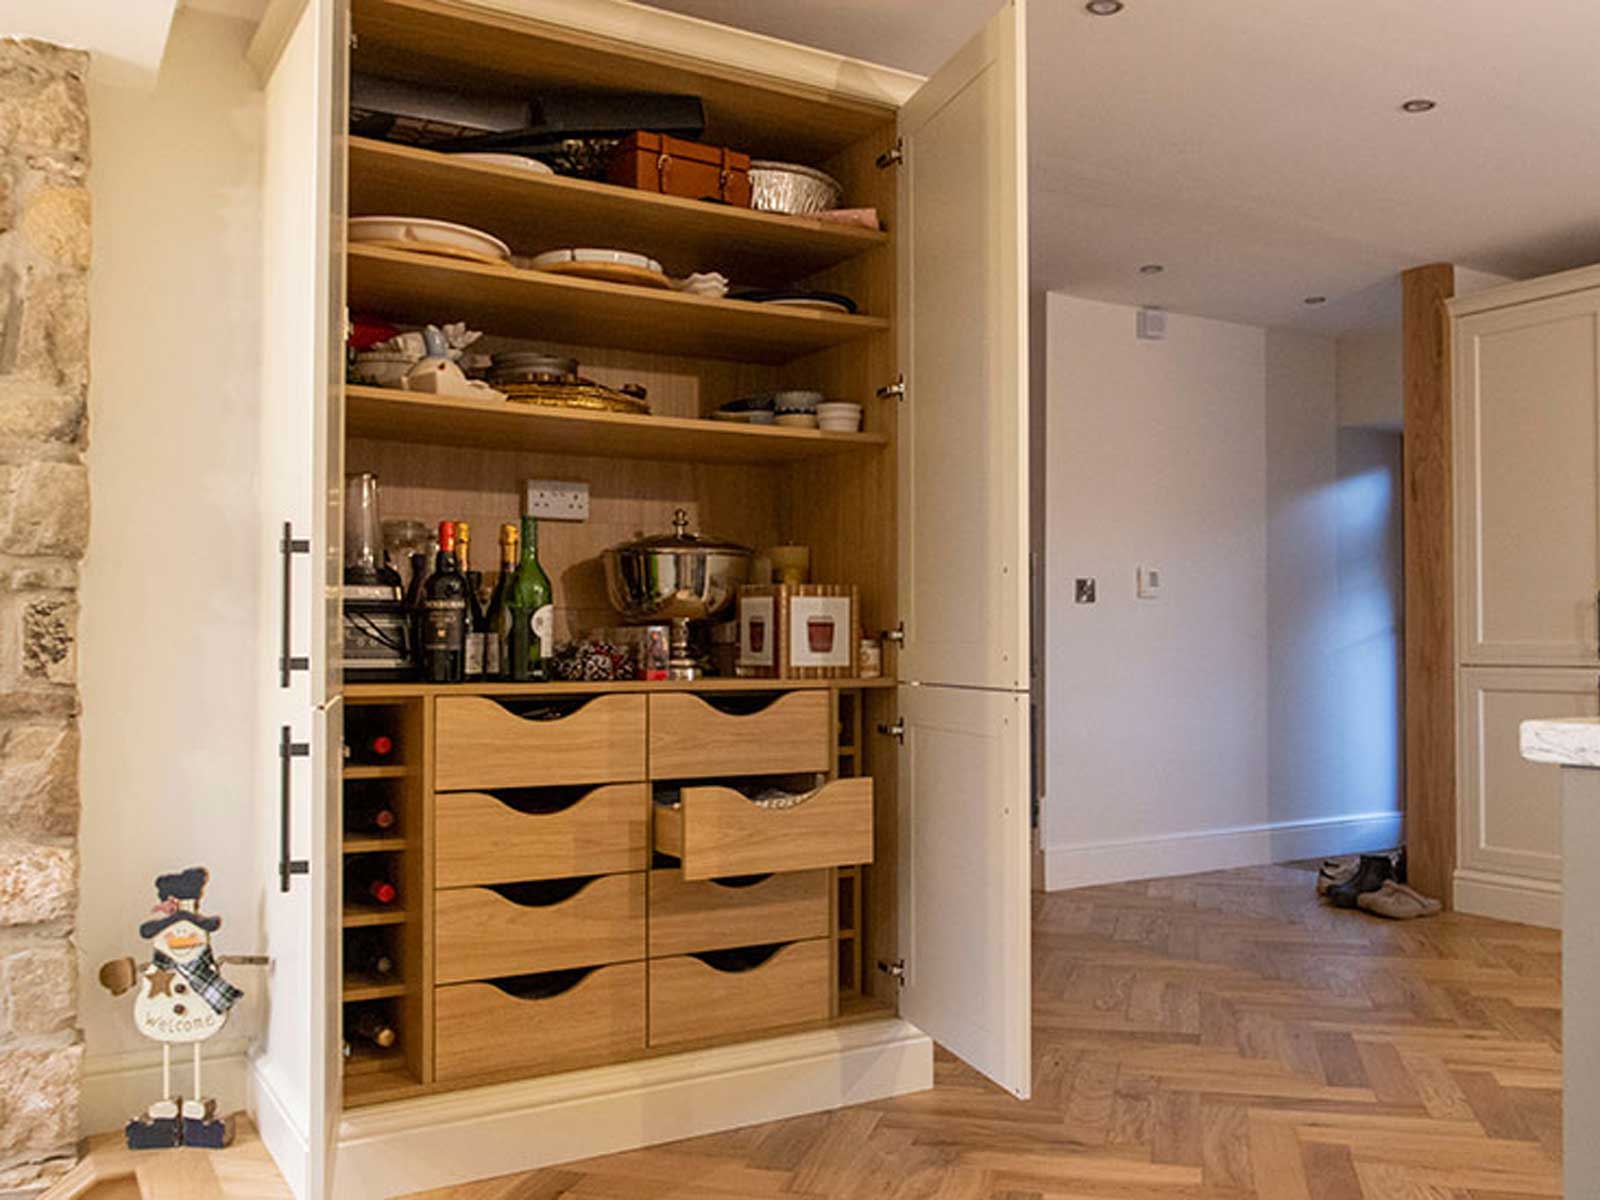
(288, 547)
(288, 751)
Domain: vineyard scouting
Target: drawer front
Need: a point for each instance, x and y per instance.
(479, 744)
(688, 917)
(481, 933)
(690, 737)
(691, 1000)
(481, 839)
(480, 1029)
(715, 831)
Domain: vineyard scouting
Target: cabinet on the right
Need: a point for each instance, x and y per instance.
(1526, 422)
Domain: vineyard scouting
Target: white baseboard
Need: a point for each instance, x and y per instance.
(282, 1131)
(437, 1141)
(1218, 849)
(1508, 897)
(118, 1087)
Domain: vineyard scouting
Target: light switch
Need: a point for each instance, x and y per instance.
(1149, 583)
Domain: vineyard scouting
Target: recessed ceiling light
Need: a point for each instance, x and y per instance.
(1104, 8)
(1316, 300)
(1151, 269)
(1419, 105)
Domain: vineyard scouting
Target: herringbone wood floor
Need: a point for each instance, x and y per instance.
(1217, 1037)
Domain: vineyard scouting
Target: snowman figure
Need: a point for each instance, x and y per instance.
(182, 999)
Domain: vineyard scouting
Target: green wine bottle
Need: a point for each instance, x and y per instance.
(532, 639)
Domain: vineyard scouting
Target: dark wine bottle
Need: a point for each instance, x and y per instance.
(442, 616)
(477, 628)
(368, 737)
(367, 1026)
(419, 575)
(370, 815)
(367, 882)
(368, 955)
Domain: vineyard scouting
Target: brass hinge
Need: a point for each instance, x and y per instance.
(893, 156)
(895, 390)
(896, 970)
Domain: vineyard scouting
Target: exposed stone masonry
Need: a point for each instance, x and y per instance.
(44, 527)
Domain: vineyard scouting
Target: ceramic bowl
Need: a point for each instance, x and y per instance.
(797, 420)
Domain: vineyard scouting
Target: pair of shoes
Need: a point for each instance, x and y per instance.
(1336, 871)
(1398, 902)
(1371, 873)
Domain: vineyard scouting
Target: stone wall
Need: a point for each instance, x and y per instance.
(44, 525)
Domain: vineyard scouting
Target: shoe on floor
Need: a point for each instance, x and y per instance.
(1336, 871)
(1398, 902)
(1374, 871)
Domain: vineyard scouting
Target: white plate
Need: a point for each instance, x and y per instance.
(426, 233)
(515, 161)
(621, 258)
(817, 305)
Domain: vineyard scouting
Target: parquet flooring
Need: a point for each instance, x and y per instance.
(1215, 1037)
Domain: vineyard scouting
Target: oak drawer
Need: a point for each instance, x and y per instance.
(480, 743)
(689, 917)
(694, 998)
(539, 1023)
(715, 831)
(690, 736)
(547, 834)
(519, 929)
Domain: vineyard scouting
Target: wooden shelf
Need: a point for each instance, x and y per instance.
(366, 987)
(408, 691)
(358, 916)
(391, 772)
(373, 845)
(387, 414)
(419, 288)
(389, 1082)
(533, 213)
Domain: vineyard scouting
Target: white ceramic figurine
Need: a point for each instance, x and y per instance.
(183, 999)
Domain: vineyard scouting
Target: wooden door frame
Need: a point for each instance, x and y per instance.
(1429, 555)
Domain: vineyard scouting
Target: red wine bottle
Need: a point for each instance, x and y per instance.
(369, 1027)
(369, 956)
(369, 883)
(442, 616)
(370, 815)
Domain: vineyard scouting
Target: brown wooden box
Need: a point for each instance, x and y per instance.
(657, 162)
(770, 617)
(715, 832)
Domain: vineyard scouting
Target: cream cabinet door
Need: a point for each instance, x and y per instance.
(1527, 465)
(1509, 815)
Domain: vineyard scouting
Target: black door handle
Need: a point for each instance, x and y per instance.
(288, 547)
(288, 751)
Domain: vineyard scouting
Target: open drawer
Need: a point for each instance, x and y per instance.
(697, 997)
(716, 831)
(483, 743)
(539, 1023)
(518, 929)
(716, 914)
(550, 833)
(764, 733)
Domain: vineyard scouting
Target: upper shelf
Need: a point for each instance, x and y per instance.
(422, 288)
(388, 414)
(534, 213)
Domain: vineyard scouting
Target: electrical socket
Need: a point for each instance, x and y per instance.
(556, 500)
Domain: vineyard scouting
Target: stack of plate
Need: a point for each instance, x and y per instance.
(423, 235)
(531, 366)
(703, 283)
(796, 409)
(613, 266)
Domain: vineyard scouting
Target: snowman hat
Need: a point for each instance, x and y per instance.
(179, 901)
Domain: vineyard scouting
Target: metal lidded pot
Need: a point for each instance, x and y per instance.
(677, 577)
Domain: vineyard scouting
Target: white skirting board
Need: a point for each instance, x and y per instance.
(1508, 897)
(435, 1141)
(118, 1087)
(1219, 849)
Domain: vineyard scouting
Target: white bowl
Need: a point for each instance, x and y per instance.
(840, 424)
(839, 408)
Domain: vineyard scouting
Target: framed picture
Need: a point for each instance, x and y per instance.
(798, 631)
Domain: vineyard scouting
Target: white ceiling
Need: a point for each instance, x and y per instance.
(1256, 147)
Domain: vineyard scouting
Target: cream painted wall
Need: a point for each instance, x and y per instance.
(1369, 379)
(169, 589)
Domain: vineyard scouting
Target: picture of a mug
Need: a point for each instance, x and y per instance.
(819, 634)
(758, 635)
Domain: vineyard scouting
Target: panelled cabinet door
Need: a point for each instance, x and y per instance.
(965, 920)
(1527, 436)
(1509, 815)
(963, 429)
(295, 1062)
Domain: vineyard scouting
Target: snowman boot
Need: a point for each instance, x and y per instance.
(158, 1128)
(203, 1128)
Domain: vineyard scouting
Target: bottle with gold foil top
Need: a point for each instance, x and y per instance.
(497, 658)
(442, 616)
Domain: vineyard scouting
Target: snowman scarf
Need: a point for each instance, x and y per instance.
(202, 976)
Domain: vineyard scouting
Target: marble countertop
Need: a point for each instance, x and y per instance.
(1572, 742)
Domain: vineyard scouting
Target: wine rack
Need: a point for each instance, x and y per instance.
(384, 964)
(849, 750)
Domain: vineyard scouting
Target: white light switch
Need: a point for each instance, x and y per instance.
(1149, 583)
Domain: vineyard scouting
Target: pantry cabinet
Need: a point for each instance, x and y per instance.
(1526, 424)
(585, 877)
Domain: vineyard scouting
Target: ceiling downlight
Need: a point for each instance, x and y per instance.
(1103, 8)
(1151, 269)
(1418, 104)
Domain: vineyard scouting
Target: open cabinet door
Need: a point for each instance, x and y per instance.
(963, 425)
(295, 1078)
(963, 469)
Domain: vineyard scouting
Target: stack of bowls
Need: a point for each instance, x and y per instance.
(796, 409)
(838, 416)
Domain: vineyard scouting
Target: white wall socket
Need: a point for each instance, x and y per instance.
(556, 500)
(1149, 583)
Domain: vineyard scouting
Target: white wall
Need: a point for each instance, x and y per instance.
(1213, 455)
(169, 587)
(1370, 380)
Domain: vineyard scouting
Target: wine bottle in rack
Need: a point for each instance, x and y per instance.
(367, 953)
(369, 815)
(369, 738)
(367, 881)
(367, 1025)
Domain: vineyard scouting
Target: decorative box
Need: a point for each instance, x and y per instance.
(798, 631)
(658, 162)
